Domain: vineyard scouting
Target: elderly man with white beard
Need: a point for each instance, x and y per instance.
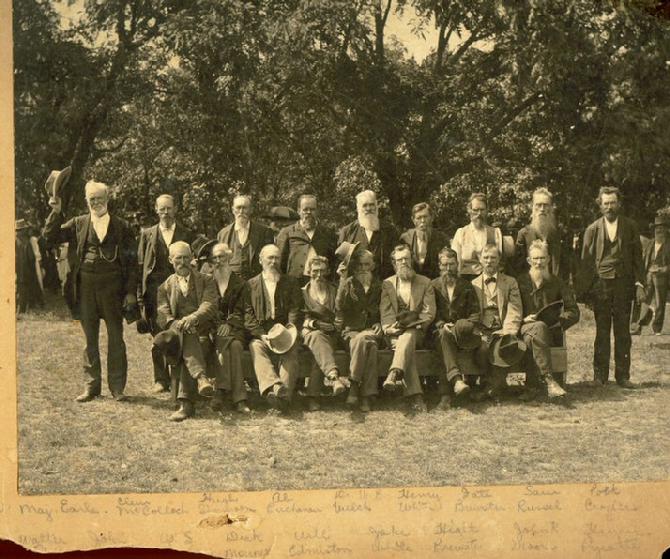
(541, 227)
(371, 233)
(407, 309)
(538, 288)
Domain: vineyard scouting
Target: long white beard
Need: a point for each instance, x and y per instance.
(100, 212)
(368, 221)
(222, 273)
(241, 222)
(539, 276)
(543, 225)
(272, 273)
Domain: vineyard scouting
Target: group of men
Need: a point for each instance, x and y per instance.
(361, 289)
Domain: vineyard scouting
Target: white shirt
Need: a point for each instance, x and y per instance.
(368, 234)
(657, 247)
(311, 253)
(612, 229)
(167, 233)
(222, 284)
(450, 292)
(405, 291)
(421, 238)
(271, 286)
(491, 288)
(100, 225)
(242, 233)
(182, 282)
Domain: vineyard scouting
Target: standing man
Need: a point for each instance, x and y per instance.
(469, 241)
(104, 275)
(457, 305)
(541, 227)
(29, 293)
(300, 242)
(612, 275)
(370, 233)
(187, 307)
(273, 317)
(539, 288)
(154, 265)
(357, 317)
(246, 238)
(500, 313)
(424, 241)
(407, 309)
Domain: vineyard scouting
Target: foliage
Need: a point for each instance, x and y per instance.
(209, 97)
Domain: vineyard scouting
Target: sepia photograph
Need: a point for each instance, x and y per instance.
(340, 244)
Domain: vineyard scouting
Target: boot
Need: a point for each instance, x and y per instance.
(554, 389)
(218, 400)
(460, 388)
(205, 386)
(352, 397)
(313, 404)
(392, 380)
(365, 404)
(186, 410)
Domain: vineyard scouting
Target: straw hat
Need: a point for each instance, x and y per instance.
(281, 338)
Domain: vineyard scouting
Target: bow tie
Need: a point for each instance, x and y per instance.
(492, 279)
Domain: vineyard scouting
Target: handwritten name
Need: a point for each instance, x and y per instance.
(414, 501)
(525, 506)
(389, 538)
(37, 510)
(454, 528)
(442, 546)
(126, 506)
(530, 491)
(535, 537)
(317, 550)
(67, 507)
(490, 506)
(283, 504)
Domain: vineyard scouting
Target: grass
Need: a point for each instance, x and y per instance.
(110, 447)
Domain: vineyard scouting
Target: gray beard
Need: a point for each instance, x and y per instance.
(368, 221)
(272, 273)
(405, 274)
(221, 273)
(543, 225)
(539, 275)
(364, 277)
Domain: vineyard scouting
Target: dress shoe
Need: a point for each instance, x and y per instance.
(444, 404)
(529, 394)
(460, 388)
(186, 410)
(416, 404)
(352, 397)
(365, 404)
(205, 386)
(159, 388)
(218, 400)
(86, 396)
(313, 404)
(241, 407)
(391, 382)
(554, 390)
(119, 396)
(627, 384)
(338, 387)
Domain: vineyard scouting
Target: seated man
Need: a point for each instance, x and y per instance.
(456, 303)
(500, 316)
(357, 317)
(319, 333)
(272, 315)
(187, 305)
(228, 332)
(539, 288)
(407, 309)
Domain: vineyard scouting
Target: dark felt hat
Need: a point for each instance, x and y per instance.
(506, 351)
(282, 213)
(345, 252)
(659, 221)
(143, 326)
(21, 224)
(466, 334)
(56, 181)
(408, 319)
(168, 343)
(551, 313)
(202, 247)
(131, 312)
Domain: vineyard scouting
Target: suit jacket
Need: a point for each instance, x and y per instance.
(313, 310)
(146, 251)
(230, 307)
(354, 308)
(592, 253)
(206, 295)
(422, 299)
(553, 289)
(509, 301)
(259, 236)
(437, 240)
(464, 305)
(294, 246)
(75, 232)
(524, 239)
(662, 259)
(381, 244)
(288, 305)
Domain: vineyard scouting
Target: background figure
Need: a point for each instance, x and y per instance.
(154, 265)
(469, 241)
(611, 276)
(656, 258)
(279, 217)
(424, 241)
(29, 292)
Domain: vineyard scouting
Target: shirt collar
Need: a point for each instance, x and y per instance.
(266, 277)
(101, 219)
(171, 228)
(242, 227)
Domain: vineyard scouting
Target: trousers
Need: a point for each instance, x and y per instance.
(538, 339)
(405, 346)
(271, 368)
(322, 346)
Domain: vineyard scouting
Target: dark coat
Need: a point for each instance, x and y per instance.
(75, 232)
(354, 308)
(313, 310)
(230, 307)
(553, 289)
(206, 295)
(592, 253)
(557, 257)
(464, 305)
(288, 305)
(294, 246)
(437, 240)
(662, 259)
(146, 251)
(259, 236)
(381, 245)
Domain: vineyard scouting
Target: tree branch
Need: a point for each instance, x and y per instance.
(113, 149)
(515, 112)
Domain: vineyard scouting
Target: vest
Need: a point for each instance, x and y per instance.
(186, 304)
(491, 312)
(162, 267)
(239, 261)
(469, 258)
(611, 265)
(101, 258)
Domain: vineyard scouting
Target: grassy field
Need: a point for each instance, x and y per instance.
(106, 446)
